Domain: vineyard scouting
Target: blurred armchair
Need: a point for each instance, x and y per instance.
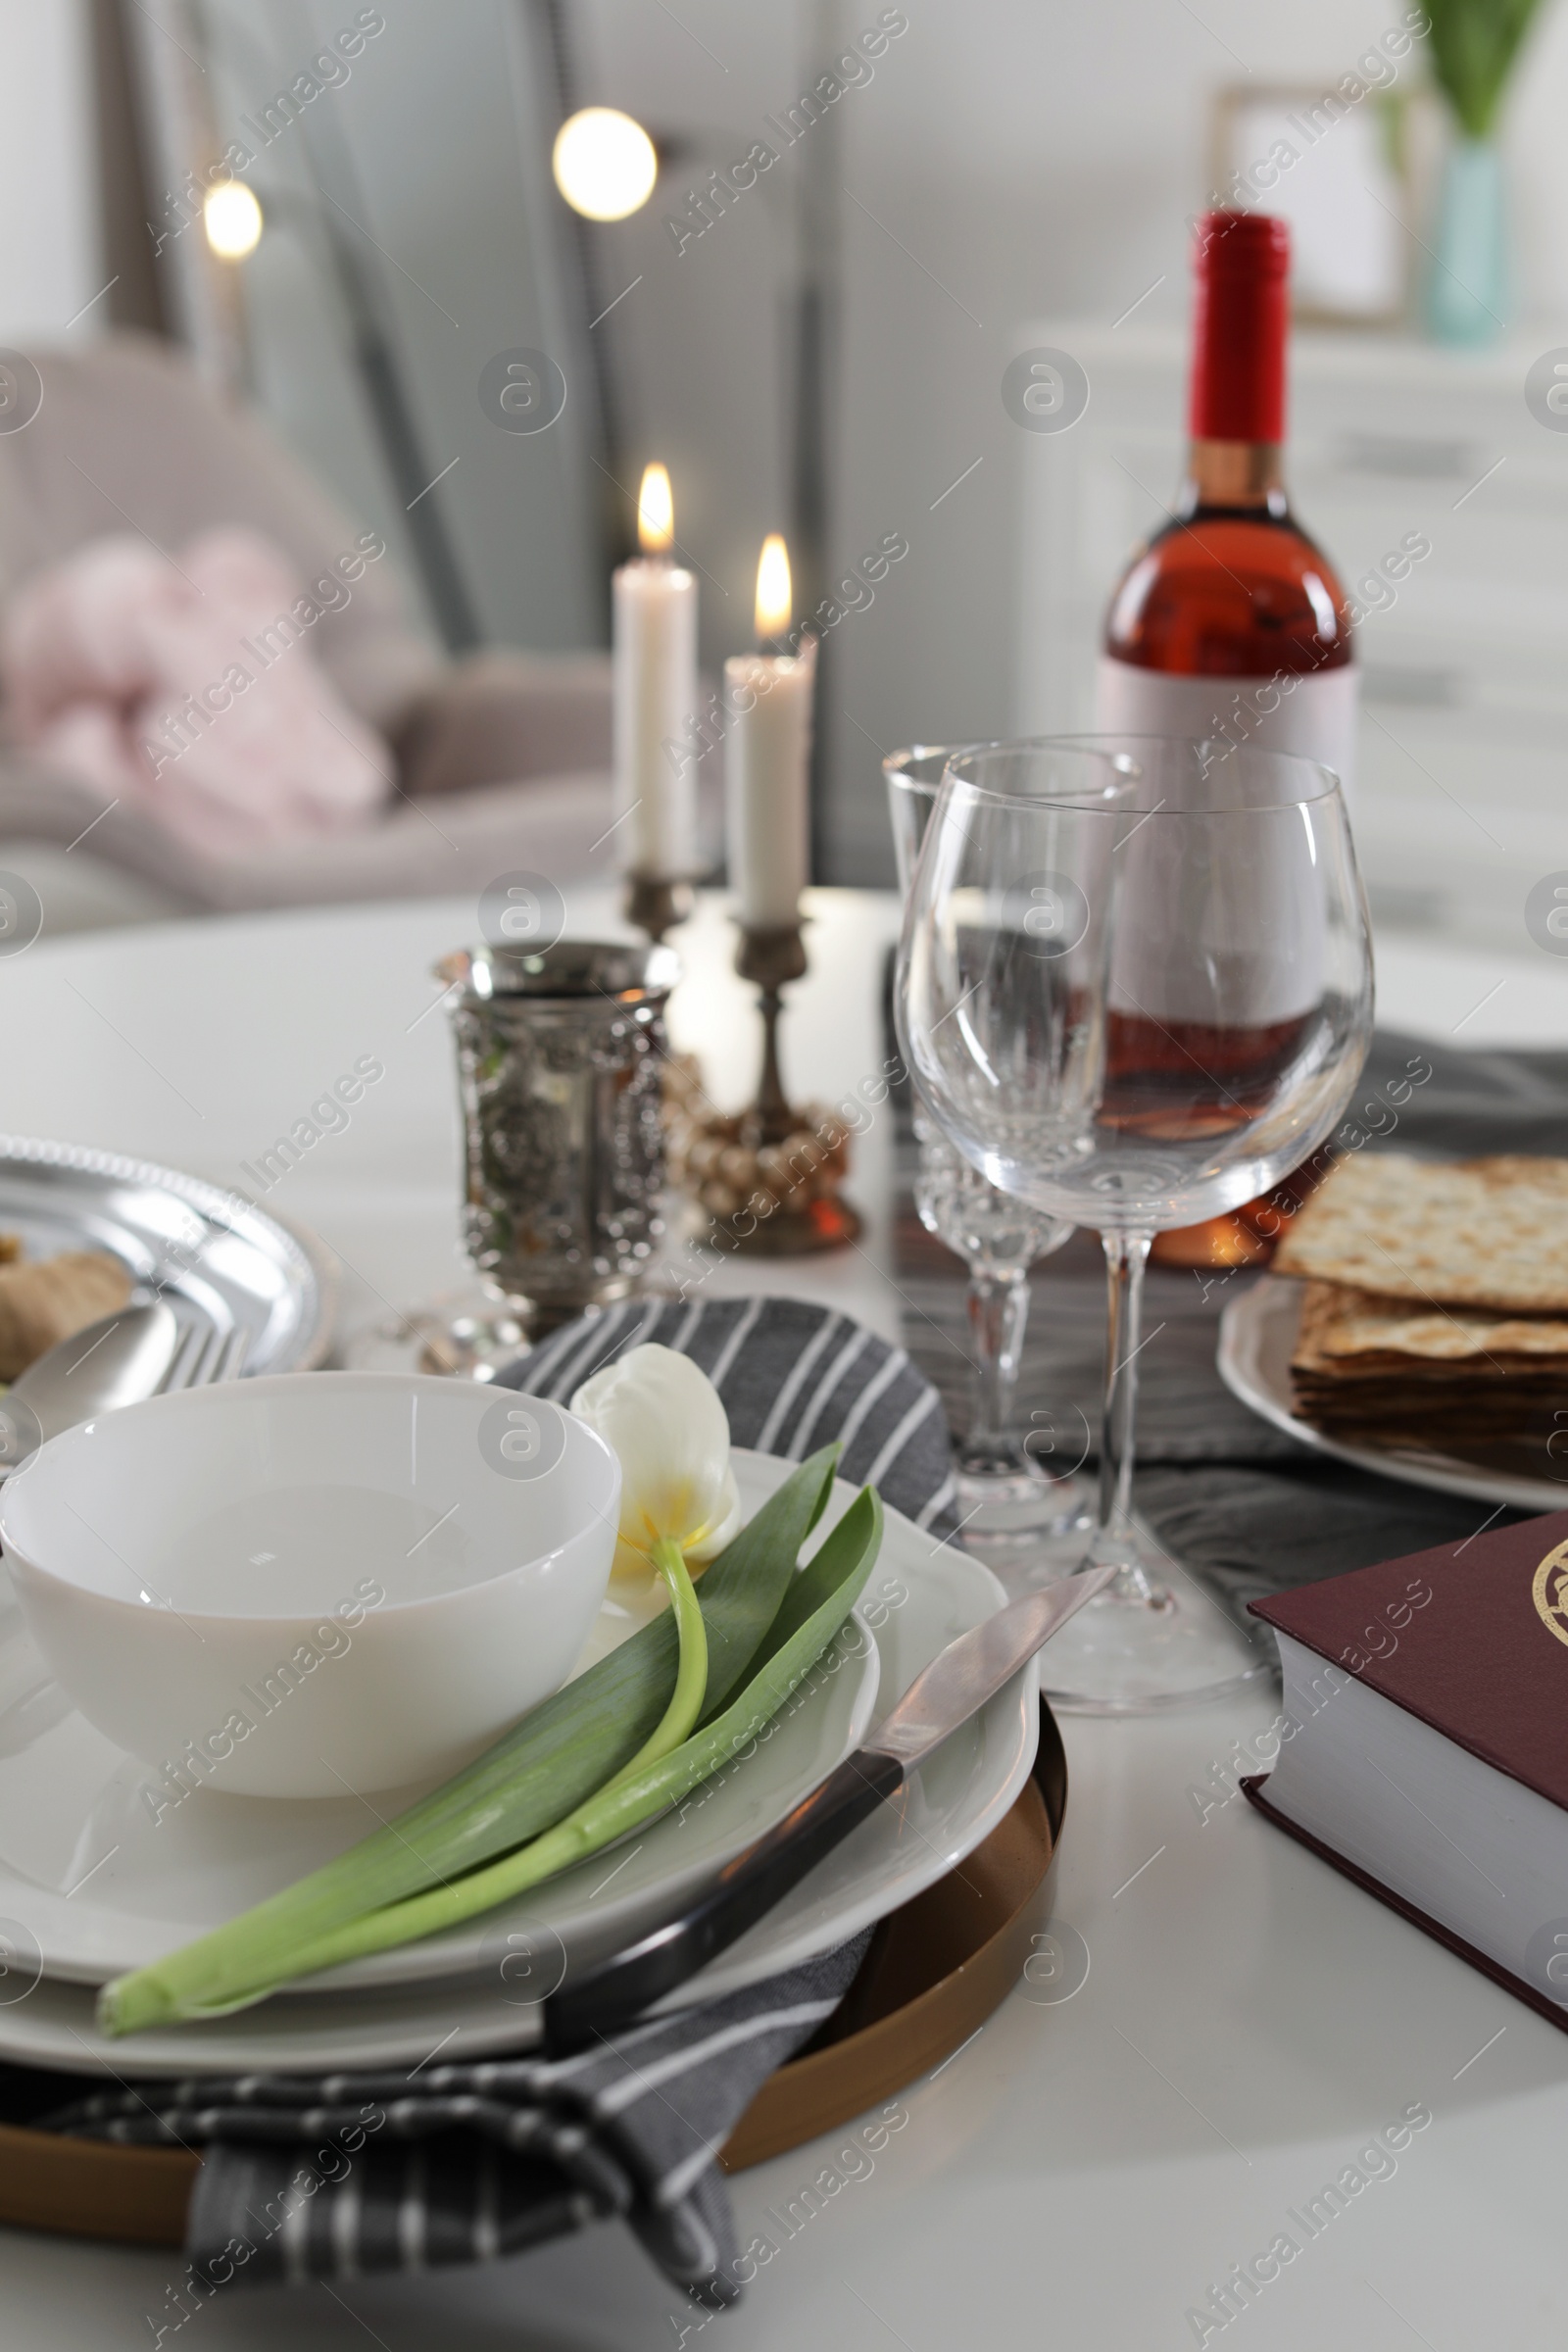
(501, 760)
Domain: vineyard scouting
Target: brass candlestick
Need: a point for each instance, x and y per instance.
(768, 1181)
(657, 903)
(772, 958)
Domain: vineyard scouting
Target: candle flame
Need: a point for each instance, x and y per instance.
(773, 591)
(656, 513)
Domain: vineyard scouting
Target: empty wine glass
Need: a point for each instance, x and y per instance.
(1014, 1491)
(1136, 990)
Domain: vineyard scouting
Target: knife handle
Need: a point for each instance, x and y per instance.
(750, 1885)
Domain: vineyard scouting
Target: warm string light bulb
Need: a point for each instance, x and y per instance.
(605, 164)
(656, 513)
(774, 597)
(232, 219)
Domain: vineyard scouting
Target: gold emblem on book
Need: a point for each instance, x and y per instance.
(1550, 1592)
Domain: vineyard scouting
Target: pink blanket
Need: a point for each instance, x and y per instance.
(189, 686)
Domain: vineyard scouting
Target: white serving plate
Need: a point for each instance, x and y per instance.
(921, 1597)
(1256, 1339)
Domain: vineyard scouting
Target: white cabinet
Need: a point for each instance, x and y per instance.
(1462, 794)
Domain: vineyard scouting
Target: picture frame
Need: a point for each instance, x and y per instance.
(1344, 164)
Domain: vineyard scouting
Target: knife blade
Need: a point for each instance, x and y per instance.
(957, 1682)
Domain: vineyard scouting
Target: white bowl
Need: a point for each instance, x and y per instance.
(313, 1583)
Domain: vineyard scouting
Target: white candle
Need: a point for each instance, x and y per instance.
(768, 759)
(654, 674)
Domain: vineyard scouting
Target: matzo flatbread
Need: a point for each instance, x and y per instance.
(1483, 1233)
(1342, 1328)
(1392, 1372)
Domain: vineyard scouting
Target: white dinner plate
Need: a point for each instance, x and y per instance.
(919, 1598)
(102, 1885)
(1257, 1340)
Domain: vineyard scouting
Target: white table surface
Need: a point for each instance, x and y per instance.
(1079, 2175)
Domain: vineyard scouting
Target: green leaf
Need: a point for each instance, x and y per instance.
(1474, 44)
(558, 1756)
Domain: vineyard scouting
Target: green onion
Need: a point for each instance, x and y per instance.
(575, 1747)
(691, 1679)
(841, 1568)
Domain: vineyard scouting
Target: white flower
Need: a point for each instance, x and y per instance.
(663, 1419)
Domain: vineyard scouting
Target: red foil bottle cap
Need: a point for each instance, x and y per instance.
(1240, 317)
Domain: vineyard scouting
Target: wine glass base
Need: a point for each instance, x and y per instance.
(1146, 1644)
(1005, 1510)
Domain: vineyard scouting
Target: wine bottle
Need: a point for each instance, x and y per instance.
(1230, 623)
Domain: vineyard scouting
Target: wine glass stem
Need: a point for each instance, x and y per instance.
(1126, 1255)
(999, 1308)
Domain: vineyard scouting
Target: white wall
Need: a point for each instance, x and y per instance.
(50, 260)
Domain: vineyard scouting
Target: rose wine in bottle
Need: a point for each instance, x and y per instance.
(1230, 622)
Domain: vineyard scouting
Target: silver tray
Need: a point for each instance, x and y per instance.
(219, 1263)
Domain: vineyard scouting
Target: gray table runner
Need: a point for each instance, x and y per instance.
(1221, 1489)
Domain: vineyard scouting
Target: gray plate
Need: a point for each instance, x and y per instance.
(220, 1264)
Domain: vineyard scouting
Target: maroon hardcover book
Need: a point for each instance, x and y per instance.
(1471, 1638)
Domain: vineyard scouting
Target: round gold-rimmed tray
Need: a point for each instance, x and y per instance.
(935, 1970)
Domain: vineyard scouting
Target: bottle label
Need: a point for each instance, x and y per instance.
(1195, 954)
(1311, 717)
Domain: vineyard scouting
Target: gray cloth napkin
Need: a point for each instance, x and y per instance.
(355, 2174)
(1225, 1492)
(340, 2178)
(792, 1376)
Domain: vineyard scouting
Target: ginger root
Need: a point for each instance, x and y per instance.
(44, 1302)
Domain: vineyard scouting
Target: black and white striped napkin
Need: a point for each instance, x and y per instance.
(792, 1375)
(354, 2175)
